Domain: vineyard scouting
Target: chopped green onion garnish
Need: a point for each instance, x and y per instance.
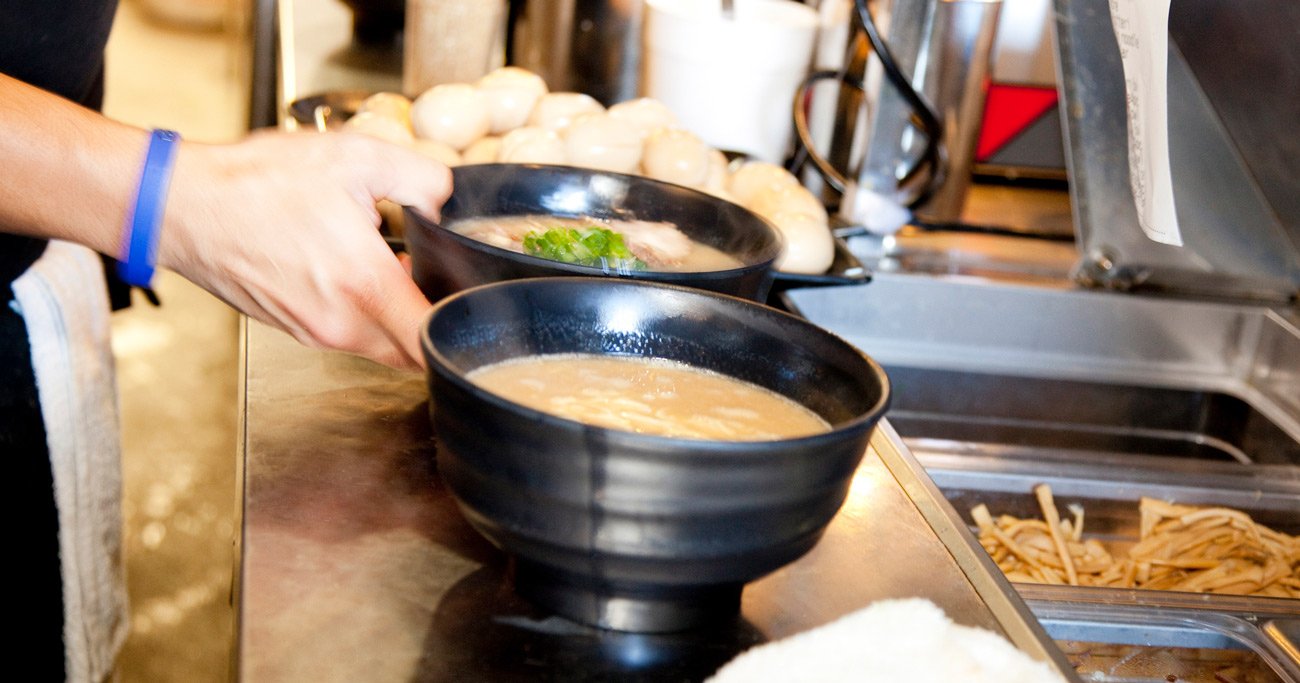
(593, 246)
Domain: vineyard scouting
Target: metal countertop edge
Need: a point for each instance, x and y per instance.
(241, 495)
(1010, 611)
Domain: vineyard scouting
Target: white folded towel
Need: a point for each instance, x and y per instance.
(891, 641)
(64, 302)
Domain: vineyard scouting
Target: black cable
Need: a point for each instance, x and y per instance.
(969, 228)
(978, 229)
(802, 155)
(933, 157)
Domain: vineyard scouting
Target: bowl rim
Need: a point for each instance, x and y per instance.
(767, 262)
(666, 446)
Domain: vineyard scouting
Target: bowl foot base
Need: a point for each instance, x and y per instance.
(639, 609)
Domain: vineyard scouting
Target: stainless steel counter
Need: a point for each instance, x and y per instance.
(356, 564)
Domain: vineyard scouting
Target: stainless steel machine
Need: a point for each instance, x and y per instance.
(1234, 104)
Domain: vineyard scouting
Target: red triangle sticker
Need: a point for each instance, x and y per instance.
(1008, 110)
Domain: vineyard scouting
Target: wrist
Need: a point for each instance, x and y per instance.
(190, 205)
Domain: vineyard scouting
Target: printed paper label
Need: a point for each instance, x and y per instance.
(1142, 31)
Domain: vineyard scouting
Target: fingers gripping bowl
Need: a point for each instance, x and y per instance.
(445, 261)
(626, 530)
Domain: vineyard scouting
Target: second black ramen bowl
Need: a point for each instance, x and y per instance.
(631, 531)
(444, 261)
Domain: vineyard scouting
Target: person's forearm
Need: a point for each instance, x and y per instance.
(68, 173)
(281, 226)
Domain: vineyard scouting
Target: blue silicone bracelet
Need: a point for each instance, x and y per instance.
(140, 239)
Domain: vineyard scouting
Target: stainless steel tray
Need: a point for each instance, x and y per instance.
(1109, 494)
(1109, 488)
(1165, 628)
(1106, 397)
(1059, 367)
(1191, 636)
(1042, 417)
(1124, 643)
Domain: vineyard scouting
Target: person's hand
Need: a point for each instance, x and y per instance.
(284, 228)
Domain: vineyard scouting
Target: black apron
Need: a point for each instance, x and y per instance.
(57, 45)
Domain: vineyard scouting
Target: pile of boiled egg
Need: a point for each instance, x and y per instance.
(510, 116)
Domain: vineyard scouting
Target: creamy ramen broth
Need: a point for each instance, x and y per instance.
(648, 395)
(660, 245)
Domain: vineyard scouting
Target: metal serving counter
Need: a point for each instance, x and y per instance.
(356, 563)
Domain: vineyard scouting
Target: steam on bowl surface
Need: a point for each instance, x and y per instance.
(631, 531)
(444, 261)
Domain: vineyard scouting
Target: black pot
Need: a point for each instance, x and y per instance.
(444, 262)
(630, 531)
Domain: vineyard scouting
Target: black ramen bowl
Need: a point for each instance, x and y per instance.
(630, 531)
(444, 261)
